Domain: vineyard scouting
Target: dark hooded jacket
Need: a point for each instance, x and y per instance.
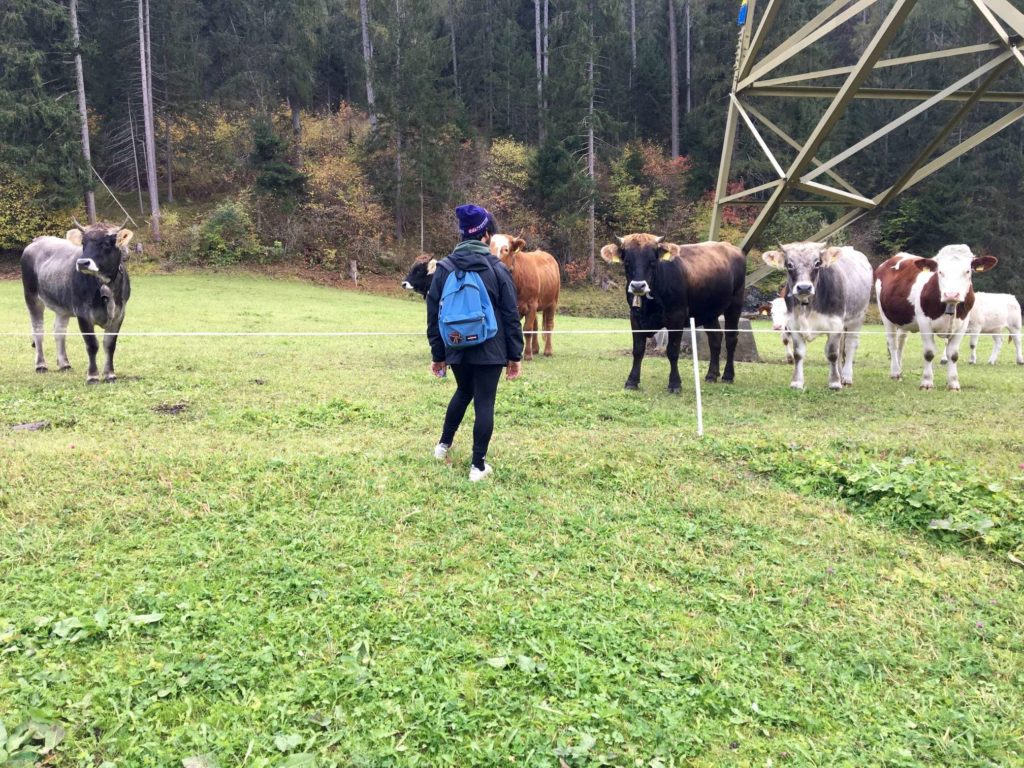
(507, 343)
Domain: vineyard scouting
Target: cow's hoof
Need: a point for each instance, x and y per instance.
(953, 387)
(547, 354)
(632, 385)
(847, 383)
(93, 380)
(794, 385)
(674, 389)
(835, 387)
(65, 368)
(897, 377)
(41, 369)
(927, 387)
(110, 379)
(711, 379)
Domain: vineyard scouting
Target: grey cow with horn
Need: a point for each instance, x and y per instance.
(81, 275)
(827, 292)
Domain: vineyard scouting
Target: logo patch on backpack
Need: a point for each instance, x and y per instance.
(465, 316)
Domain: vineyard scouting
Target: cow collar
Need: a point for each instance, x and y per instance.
(106, 280)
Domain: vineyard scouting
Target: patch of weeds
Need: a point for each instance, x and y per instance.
(171, 409)
(908, 491)
(29, 743)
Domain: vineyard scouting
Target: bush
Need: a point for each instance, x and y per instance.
(21, 218)
(226, 237)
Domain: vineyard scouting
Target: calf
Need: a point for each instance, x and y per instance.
(827, 291)
(778, 312)
(86, 279)
(667, 284)
(992, 313)
(538, 283)
(421, 274)
(933, 296)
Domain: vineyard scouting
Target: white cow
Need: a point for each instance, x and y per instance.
(992, 313)
(780, 316)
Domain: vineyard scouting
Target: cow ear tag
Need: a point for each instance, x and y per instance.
(431, 266)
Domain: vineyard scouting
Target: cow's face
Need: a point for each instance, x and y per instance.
(639, 255)
(507, 248)
(954, 265)
(802, 263)
(104, 250)
(421, 275)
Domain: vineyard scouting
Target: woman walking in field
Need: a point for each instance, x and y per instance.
(477, 354)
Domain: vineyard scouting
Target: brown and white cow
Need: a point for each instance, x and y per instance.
(933, 296)
(538, 283)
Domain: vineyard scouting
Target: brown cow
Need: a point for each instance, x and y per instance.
(538, 283)
(933, 296)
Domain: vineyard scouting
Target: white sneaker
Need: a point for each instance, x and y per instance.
(476, 475)
(441, 451)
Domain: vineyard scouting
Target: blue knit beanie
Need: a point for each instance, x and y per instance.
(474, 221)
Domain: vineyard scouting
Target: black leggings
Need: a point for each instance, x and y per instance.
(477, 384)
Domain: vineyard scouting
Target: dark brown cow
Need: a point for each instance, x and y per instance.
(667, 284)
(933, 296)
(538, 283)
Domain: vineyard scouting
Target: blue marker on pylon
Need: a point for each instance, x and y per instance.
(742, 18)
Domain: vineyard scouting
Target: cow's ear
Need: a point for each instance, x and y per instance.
(669, 251)
(925, 265)
(124, 236)
(984, 263)
(611, 253)
(74, 236)
(518, 244)
(830, 256)
(432, 266)
(774, 258)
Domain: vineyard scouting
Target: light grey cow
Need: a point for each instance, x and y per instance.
(827, 292)
(81, 275)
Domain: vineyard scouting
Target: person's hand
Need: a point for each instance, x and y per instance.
(514, 369)
(439, 369)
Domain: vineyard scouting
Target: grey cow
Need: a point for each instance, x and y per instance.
(827, 291)
(82, 275)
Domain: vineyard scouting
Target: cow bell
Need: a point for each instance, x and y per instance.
(638, 301)
(950, 309)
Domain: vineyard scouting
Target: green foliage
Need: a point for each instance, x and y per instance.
(226, 237)
(939, 214)
(634, 206)
(273, 174)
(22, 218)
(796, 223)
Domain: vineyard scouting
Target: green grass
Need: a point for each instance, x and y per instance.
(279, 569)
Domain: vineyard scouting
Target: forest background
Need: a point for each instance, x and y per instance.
(322, 132)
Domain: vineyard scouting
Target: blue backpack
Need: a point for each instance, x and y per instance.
(465, 315)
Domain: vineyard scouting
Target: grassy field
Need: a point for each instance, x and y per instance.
(242, 554)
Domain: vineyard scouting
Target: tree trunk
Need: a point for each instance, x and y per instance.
(673, 76)
(539, 55)
(632, 38)
(296, 120)
(90, 198)
(399, 214)
(170, 162)
(689, 68)
(371, 100)
(455, 55)
(135, 157)
(547, 58)
(591, 263)
(147, 114)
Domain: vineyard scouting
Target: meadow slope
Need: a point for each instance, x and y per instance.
(243, 550)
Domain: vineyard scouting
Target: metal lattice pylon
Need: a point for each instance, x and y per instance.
(752, 77)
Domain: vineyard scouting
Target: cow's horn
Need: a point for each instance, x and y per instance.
(620, 240)
(781, 247)
(659, 239)
(78, 226)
